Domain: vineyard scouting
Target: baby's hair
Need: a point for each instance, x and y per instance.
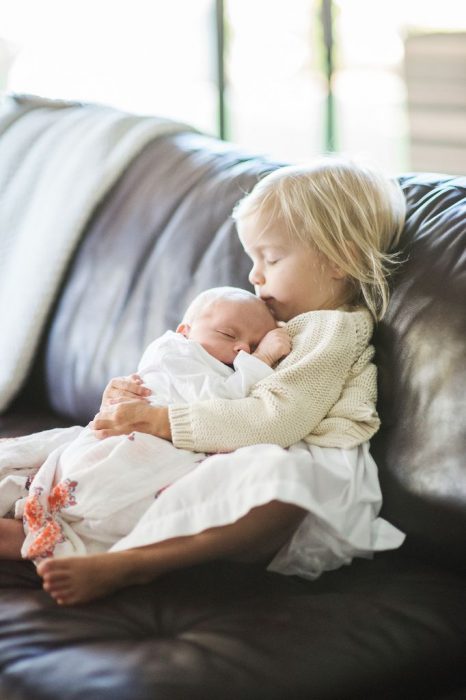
(204, 299)
(350, 212)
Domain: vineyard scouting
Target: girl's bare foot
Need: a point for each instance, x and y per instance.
(71, 580)
(254, 537)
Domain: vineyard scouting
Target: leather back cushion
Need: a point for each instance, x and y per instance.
(165, 233)
(421, 357)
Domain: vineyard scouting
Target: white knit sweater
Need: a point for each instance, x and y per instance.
(323, 392)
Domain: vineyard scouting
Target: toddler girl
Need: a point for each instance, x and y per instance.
(298, 488)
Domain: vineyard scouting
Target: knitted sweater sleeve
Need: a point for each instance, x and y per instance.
(286, 406)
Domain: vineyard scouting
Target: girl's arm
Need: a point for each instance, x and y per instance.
(125, 408)
(281, 409)
(289, 405)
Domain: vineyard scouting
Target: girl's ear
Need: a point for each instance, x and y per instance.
(353, 256)
(336, 272)
(184, 329)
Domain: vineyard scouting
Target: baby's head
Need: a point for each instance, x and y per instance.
(349, 215)
(225, 320)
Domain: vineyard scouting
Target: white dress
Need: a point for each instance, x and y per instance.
(339, 488)
(89, 493)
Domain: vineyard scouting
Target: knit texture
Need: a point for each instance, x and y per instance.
(323, 392)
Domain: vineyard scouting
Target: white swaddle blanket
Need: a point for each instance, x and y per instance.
(89, 493)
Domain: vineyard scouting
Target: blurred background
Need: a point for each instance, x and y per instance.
(286, 78)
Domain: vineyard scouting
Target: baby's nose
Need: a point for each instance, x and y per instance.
(242, 345)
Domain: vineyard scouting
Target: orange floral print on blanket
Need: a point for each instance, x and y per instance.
(42, 521)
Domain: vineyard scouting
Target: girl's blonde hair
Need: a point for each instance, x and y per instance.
(351, 213)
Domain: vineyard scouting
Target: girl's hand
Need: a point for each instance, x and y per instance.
(128, 416)
(120, 389)
(273, 346)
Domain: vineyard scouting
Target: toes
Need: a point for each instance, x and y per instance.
(56, 576)
(56, 587)
(63, 595)
(68, 598)
(44, 567)
(53, 568)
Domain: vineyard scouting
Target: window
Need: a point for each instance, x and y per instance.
(159, 57)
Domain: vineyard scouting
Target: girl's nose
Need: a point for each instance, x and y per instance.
(256, 276)
(242, 345)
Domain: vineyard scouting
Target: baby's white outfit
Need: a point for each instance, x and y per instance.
(89, 492)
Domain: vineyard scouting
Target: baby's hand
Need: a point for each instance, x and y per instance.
(273, 346)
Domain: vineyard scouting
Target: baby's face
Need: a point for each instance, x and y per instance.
(227, 326)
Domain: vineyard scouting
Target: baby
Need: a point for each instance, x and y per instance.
(89, 493)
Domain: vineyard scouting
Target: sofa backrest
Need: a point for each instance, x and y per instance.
(165, 233)
(420, 345)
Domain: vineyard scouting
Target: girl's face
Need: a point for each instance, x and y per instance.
(288, 275)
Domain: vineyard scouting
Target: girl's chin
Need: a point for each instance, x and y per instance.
(272, 307)
(279, 314)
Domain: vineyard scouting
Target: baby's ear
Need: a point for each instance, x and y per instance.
(184, 329)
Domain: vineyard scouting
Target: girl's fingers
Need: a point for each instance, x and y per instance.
(120, 419)
(143, 391)
(101, 424)
(115, 420)
(101, 434)
(132, 386)
(125, 390)
(127, 396)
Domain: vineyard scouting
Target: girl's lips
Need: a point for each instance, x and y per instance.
(269, 303)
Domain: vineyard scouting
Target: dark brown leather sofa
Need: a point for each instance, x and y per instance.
(393, 627)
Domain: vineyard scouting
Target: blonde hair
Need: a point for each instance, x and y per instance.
(351, 213)
(204, 299)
